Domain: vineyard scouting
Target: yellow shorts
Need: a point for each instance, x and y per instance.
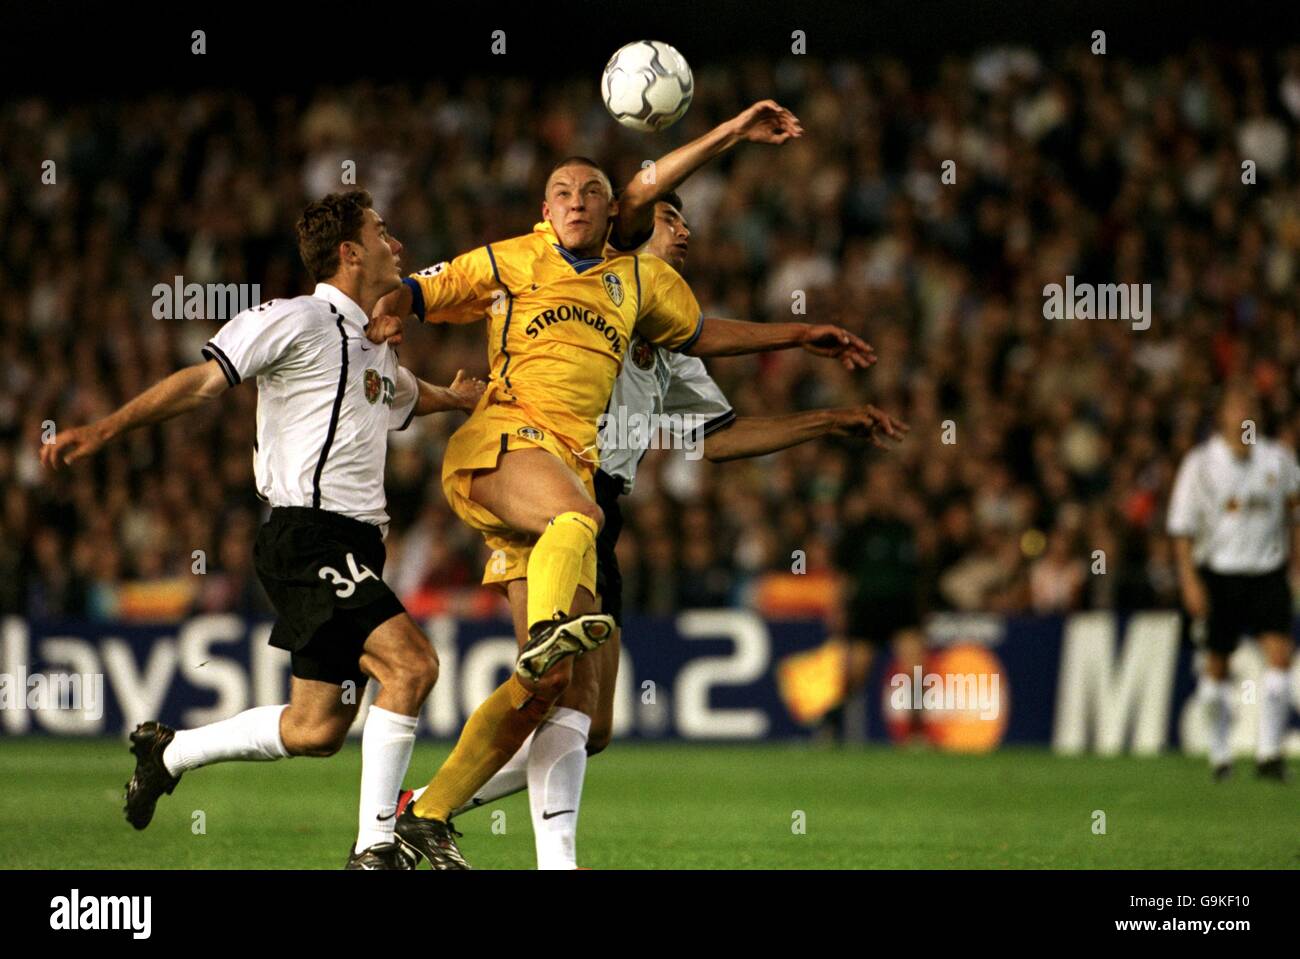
(489, 432)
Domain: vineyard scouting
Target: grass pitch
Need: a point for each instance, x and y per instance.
(681, 806)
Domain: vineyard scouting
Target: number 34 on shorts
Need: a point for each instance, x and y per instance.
(343, 585)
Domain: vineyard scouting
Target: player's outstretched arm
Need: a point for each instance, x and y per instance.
(719, 337)
(459, 291)
(179, 393)
(764, 122)
(463, 394)
(759, 435)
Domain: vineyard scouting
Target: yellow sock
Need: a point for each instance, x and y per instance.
(490, 737)
(555, 565)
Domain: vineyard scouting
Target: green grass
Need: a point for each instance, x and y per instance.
(693, 807)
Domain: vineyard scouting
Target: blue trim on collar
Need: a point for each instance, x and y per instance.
(579, 265)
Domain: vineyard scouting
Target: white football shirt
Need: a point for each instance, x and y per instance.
(326, 399)
(1235, 510)
(657, 383)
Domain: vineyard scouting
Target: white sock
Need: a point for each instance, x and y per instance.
(1273, 713)
(386, 742)
(253, 735)
(1216, 696)
(557, 764)
(508, 780)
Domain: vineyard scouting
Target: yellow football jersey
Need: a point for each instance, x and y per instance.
(558, 326)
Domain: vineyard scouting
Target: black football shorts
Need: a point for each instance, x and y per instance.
(1245, 605)
(324, 574)
(879, 619)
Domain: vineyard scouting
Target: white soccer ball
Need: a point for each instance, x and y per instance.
(647, 85)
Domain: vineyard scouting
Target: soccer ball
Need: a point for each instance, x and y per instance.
(647, 85)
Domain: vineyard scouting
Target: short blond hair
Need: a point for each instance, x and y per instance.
(581, 161)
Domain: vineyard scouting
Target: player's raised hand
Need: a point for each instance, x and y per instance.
(71, 445)
(384, 329)
(767, 122)
(872, 423)
(467, 390)
(852, 351)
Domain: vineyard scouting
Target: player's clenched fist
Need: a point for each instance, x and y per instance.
(872, 423)
(824, 340)
(384, 329)
(71, 445)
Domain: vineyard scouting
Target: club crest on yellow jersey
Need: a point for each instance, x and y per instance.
(614, 287)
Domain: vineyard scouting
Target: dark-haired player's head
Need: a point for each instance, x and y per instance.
(579, 204)
(671, 237)
(342, 240)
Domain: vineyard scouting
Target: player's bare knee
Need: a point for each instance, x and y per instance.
(410, 668)
(409, 689)
(424, 674)
(584, 507)
(420, 666)
(410, 679)
(593, 513)
(328, 743)
(316, 741)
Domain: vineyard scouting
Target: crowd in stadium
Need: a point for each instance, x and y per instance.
(1035, 443)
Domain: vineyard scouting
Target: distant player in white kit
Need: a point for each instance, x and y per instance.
(327, 398)
(1231, 515)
